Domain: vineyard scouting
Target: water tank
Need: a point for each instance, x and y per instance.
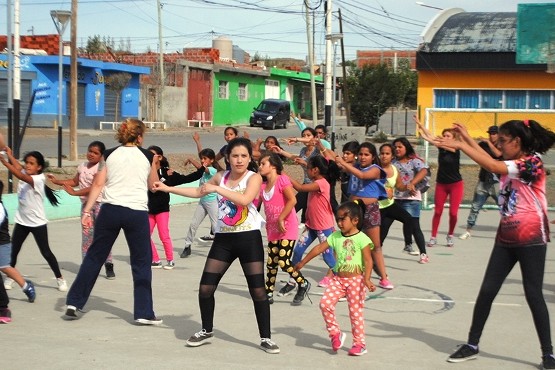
(225, 46)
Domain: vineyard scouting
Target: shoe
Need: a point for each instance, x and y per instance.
(8, 282)
(268, 346)
(186, 252)
(385, 284)
(30, 291)
(357, 350)
(450, 241)
(169, 266)
(110, 274)
(342, 299)
(301, 226)
(200, 338)
(156, 265)
(410, 250)
(548, 362)
(286, 290)
(270, 298)
(302, 291)
(62, 284)
(337, 341)
(431, 243)
(324, 282)
(5, 315)
(153, 321)
(72, 313)
(424, 258)
(207, 238)
(465, 235)
(464, 353)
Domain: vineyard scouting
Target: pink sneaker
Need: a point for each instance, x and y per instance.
(324, 282)
(337, 341)
(357, 350)
(424, 258)
(385, 284)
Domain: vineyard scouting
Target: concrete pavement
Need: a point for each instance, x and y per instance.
(414, 326)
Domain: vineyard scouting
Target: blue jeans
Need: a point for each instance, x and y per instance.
(307, 237)
(481, 194)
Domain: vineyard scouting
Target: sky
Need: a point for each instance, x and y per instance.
(273, 28)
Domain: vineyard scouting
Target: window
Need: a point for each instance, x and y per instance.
(243, 91)
(223, 90)
(515, 99)
(492, 99)
(468, 99)
(539, 100)
(445, 98)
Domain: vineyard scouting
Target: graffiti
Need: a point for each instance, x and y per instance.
(42, 93)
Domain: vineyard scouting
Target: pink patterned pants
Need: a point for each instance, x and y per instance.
(87, 235)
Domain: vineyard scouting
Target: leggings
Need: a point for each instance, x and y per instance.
(306, 238)
(88, 234)
(162, 222)
(279, 255)
(40, 233)
(395, 213)
(302, 201)
(532, 265)
(455, 191)
(248, 248)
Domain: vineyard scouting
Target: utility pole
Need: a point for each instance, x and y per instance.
(327, 76)
(16, 80)
(345, 90)
(161, 64)
(10, 86)
(73, 109)
(309, 35)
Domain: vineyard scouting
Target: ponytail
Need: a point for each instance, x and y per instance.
(52, 196)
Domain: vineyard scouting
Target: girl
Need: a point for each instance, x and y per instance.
(412, 170)
(269, 143)
(30, 216)
(278, 197)
(366, 184)
(449, 183)
(353, 270)
(237, 236)
(84, 178)
(523, 230)
(230, 133)
(350, 151)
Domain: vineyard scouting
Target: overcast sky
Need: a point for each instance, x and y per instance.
(275, 28)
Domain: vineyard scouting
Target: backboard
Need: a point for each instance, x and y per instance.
(535, 27)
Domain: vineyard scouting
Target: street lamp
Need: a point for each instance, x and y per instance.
(427, 6)
(61, 19)
(335, 38)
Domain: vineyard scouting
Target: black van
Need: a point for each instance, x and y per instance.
(271, 113)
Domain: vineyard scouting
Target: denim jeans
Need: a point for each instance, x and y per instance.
(481, 194)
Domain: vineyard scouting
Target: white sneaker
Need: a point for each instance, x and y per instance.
(8, 282)
(62, 284)
(465, 235)
(301, 226)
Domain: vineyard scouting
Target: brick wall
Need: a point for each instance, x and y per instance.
(365, 57)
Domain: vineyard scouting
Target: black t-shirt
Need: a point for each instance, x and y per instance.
(484, 175)
(449, 164)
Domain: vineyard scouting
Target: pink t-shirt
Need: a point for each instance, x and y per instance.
(86, 177)
(274, 202)
(319, 215)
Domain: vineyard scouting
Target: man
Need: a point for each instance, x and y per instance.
(488, 182)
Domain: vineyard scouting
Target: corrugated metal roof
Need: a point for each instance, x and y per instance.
(474, 32)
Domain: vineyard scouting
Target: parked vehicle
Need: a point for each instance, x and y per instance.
(271, 113)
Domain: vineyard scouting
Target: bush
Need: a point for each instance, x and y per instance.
(380, 137)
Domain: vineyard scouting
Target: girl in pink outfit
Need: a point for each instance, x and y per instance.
(278, 197)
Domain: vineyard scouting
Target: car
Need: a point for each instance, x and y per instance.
(271, 113)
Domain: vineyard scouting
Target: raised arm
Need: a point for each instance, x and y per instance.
(13, 165)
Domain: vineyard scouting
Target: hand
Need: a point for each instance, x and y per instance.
(160, 186)
(170, 171)
(290, 140)
(246, 135)
(69, 189)
(300, 161)
(86, 220)
(51, 177)
(281, 226)
(276, 149)
(196, 137)
(208, 188)
(371, 287)
(461, 129)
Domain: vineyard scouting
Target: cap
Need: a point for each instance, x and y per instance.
(493, 130)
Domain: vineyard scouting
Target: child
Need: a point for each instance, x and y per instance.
(279, 201)
(30, 216)
(350, 151)
(353, 270)
(523, 230)
(84, 178)
(208, 204)
(159, 206)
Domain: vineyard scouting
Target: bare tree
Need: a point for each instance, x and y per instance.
(116, 82)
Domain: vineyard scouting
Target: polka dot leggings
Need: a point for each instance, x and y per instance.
(354, 289)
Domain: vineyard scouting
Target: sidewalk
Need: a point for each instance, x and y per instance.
(415, 326)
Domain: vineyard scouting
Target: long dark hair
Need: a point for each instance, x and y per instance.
(164, 161)
(50, 194)
(372, 149)
(534, 138)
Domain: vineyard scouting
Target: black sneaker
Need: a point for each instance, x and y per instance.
(268, 346)
(302, 291)
(464, 353)
(286, 290)
(186, 252)
(207, 238)
(270, 298)
(200, 338)
(156, 265)
(548, 362)
(110, 274)
(72, 313)
(30, 291)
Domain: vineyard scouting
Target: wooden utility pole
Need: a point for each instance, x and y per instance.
(310, 38)
(345, 90)
(73, 109)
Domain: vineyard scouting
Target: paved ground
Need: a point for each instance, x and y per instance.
(414, 326)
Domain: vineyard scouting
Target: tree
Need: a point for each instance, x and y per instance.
(116, 82)
(95, 45)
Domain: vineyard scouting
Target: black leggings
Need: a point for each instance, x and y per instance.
(395, 213)
(302, 201)
(248, 247)
(502, 261)
(40, 233)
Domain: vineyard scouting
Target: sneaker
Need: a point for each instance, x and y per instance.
(337, 341)
(385, 284)
(62, 284)
(431, 243)
(270, 298)
(342, 299)
(268, 346)
(464, 353)
(207, 238)
(110, 274)
(301, 226)
(30, 291)
(5, 315)
(200, 338)
(156, 265)
(169, 266)
(424, 258)
(72, 313)
(302, 291)
(153, 321)
(8, 282)
(465, 235)
(410, 250)
(548, 362)
(286, 290)
(324, 282)
(186, 252)
(450, 241)
(357, 350)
